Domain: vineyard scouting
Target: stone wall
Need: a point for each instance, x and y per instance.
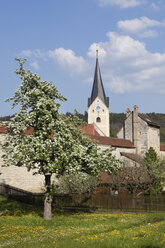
(162, 154)
(118, 150)
(146, 135)
(19, 176)
(143, 136)
(128, 129)
(154, 138)
(128, 162)
(120, 134)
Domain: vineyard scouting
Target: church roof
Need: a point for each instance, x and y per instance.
(162, 147)
(98, 89)
(89, 129)
(114, 142)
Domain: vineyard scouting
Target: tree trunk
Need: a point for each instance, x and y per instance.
(48, 199)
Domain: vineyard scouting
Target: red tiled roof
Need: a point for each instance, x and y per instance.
(162, 147)
(89, 129)
(3, 129)
(29, 131)
(135, 157)
(102, 140)
(86, 128)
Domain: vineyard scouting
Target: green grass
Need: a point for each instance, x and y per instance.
(22, 225)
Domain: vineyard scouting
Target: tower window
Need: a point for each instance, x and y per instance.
(98, 119)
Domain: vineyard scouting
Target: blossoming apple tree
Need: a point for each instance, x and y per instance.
(56, 145)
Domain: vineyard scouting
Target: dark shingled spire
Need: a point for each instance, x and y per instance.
(98, 89)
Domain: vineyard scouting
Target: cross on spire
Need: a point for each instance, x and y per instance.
(97, 53)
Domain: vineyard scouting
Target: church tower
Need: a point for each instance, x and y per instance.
(98, 104)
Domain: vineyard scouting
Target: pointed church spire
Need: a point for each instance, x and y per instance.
(98, 89)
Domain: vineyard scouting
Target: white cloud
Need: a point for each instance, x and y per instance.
(130, 67)
(124, 47)
(148, 33)
(121, 3)
(65, 58)
(140, 26)
(26, 53)
(126, 64)
(155, 6)
(37, 53)
(35, 65)
(93, 48)
(118, 85)
(68, 60)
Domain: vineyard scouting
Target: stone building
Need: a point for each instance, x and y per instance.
(141, 131)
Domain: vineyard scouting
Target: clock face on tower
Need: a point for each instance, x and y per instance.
(98, 108)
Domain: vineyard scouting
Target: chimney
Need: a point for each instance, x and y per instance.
(135, 128)
(128, 111)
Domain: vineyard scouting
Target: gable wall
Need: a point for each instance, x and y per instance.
(128, 128)
(154, 138)
(120, 134)
(142, 136)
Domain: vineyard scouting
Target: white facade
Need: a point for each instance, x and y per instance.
(98, 114)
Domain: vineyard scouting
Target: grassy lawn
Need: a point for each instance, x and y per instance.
(22, 225)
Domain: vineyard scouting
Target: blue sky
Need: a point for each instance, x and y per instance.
(59, 39)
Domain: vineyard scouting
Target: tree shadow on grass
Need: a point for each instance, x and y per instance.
(151, 246)
(9, 207)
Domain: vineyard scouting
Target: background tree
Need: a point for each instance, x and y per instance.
(76, 183)
(132, 179)
(56, 145)
(148, 176)
(155, 167)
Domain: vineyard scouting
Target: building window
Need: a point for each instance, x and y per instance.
(98, 119)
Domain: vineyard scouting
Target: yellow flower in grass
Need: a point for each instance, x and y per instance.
(116, 233)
